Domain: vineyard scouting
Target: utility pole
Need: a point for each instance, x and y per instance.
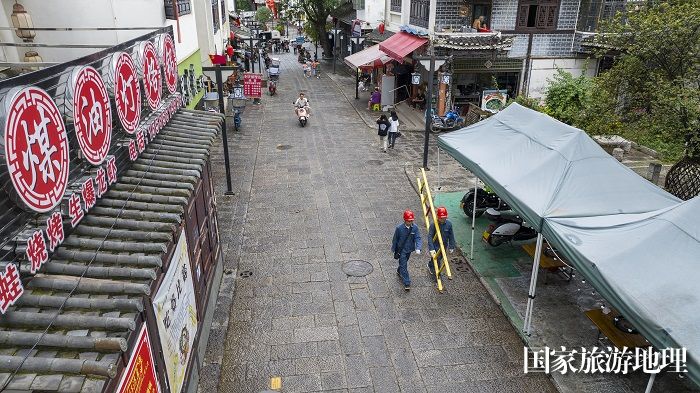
(429, 106)
(335, 40)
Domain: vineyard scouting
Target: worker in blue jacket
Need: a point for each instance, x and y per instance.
(448, 236)
(406, 240)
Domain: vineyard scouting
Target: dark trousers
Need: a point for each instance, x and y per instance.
(403, 267)
(392, 138)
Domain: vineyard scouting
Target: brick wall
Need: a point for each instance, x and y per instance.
(447, 14)
(503, 14)
(568, 13)
(543, 45)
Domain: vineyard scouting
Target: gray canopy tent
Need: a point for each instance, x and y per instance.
(604, 217)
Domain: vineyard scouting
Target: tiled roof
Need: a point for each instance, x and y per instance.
(82, 349)
(375, 37)
(473, 41)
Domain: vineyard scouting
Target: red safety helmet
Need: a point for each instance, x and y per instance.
(442, 212)
(408, 215)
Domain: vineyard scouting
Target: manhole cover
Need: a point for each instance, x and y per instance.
(245, 273)
(357, 268)
(375, 162)
(284, 147)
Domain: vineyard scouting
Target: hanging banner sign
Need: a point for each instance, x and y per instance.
(176, 313)
(36, 148)
(139, 375)
(127, 95)
(252, 85)
(92, 114)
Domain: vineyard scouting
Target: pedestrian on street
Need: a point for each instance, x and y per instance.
(406, 240)
(448, 237)
(394, 129)
(383, 129)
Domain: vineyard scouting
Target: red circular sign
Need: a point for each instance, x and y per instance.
(36, 149)
(92, 115)
(169, 63)
(127, 95)
(152, 82)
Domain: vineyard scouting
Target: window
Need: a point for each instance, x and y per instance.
(537, 15)
(591, 12)
(215, 14)
(395, 6)
(224, 14)
(420, 12)
(183, 8)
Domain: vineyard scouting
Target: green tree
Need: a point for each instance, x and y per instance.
(652, 93)
(263, 15)
(567, 97)
(243, 5)
(317, 12)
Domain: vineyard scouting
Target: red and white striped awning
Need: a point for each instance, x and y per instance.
(368, 58)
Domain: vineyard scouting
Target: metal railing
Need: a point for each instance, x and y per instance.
(395, 6)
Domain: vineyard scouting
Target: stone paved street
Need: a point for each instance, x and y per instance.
(306, 201)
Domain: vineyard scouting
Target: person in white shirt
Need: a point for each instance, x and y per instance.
(393, 129)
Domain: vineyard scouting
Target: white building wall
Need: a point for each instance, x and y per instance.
(96, 13)
(374, 12)
(543, 70)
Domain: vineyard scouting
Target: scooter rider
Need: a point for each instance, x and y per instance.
(448, 236)
(301, 102)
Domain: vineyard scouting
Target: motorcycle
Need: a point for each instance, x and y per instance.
(303, 115)
(236, 119)
(484, 199)
(272, 84)
(507, 226)
(450, 121)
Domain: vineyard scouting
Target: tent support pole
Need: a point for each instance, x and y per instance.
(650, 383)
(438, 154)
(471, 253)
(533, 286)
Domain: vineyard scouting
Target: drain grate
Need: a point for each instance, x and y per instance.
(357, 268)
(245, 273)
(375, 162)
(284, 147)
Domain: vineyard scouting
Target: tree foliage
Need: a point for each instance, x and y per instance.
(652, 93)
(243, 5)
(567, 97)
(317, 12)
(263, 15)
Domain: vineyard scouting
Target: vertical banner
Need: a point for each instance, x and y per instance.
(176, 315)
(139, 376)
(252, 85)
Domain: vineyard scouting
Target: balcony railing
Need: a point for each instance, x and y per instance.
(420, 12)
(395, 6)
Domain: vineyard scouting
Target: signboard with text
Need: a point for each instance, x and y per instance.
(176, 314)
(252, 85)
(494, 100)
(139, 375)
(38, 153)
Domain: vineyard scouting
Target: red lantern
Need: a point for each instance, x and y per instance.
(381, 28)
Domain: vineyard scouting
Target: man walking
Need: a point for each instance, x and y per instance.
(448, 236)
(406, 240)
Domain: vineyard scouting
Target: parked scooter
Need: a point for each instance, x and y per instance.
(237, 119)
(484, 200)
(507, 226)
(450, 121)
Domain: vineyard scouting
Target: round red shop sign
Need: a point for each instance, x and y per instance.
(169, 63)
(152, 81)
(126, 92)
(92, 114)
(36, 148)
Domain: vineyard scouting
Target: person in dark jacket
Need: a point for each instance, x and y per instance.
(448, 237)
(382, 130)
(406, 240)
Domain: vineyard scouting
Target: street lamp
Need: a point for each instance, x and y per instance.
(415, 78)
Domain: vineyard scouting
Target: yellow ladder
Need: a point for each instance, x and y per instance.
(440, 261)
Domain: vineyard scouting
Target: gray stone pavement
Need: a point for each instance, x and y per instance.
(309, 199)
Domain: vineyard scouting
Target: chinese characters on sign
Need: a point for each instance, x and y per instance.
(252, 85)
(169, 63)
(152, 81)
(139, 375)
(36, 149)
(176, 315)
(92, 115)
(604, 360)
(127, 95)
